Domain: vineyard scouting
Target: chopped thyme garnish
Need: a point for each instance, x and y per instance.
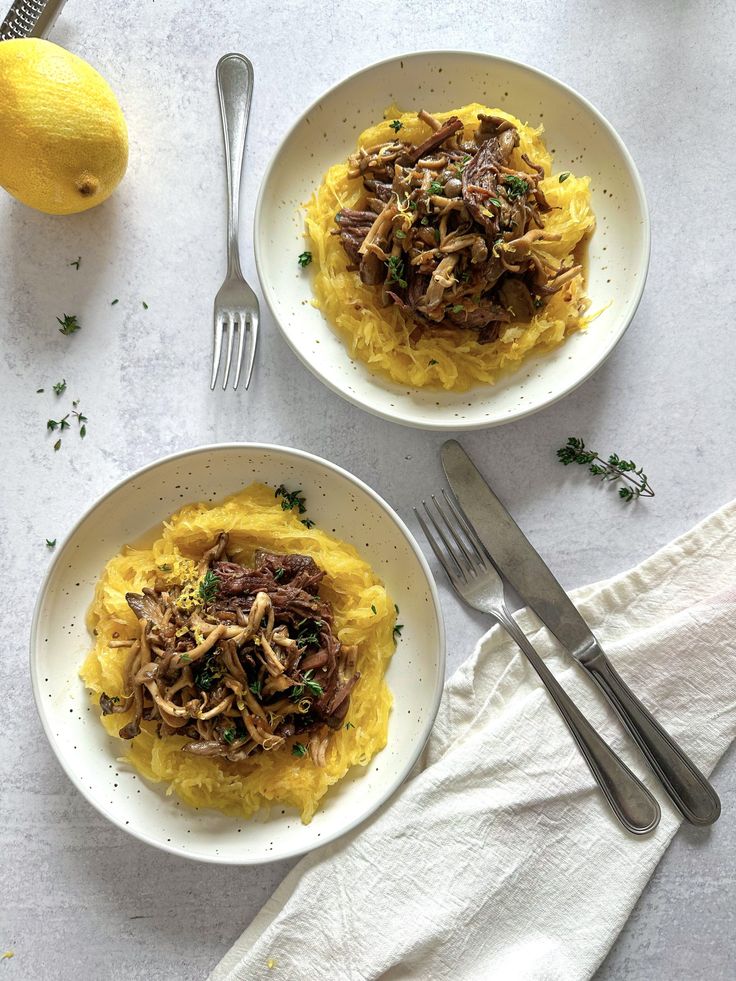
(291, 499)
(298, 749)
(114, 302)
(208, 587)
(396, 125)
(563, 177)
(50, 543)
(304, 259)
(60, 387)
(145, 305)
(69, 324)
(77, 262)
(396, 270)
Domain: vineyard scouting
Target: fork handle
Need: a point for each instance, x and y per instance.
(629, 799)
(234, 74)
(689, 789)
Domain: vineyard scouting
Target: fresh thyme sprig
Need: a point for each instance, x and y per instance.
(614, 468)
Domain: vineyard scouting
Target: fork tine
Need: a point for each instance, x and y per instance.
(451, 575)
(242, 327)
(443, 537)
(217, 348)
(464, 522)
(441, 528)
(229, 357)
(253, 340)
(453, 532)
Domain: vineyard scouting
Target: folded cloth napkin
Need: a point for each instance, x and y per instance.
(499, 858)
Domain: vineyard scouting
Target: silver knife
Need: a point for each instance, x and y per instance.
(522, 567)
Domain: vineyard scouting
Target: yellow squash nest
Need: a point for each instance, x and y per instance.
(363, 615)
(448, 358)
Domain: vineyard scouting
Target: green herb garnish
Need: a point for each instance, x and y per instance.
(60, 424)
(397, 629)
(60, 387)
(433, 361)
(185, 659)
(495, 201)
(77, 262)
(308, 632)
(349, 725)
(298, 749)
(209, 673)
(145, 305)
(373, 608)
(229, 734)
(255, 687)
(50, 543)
(307, 522)
(396, 270)
(516, 187)
(396, 125)
(57, 445)
(563, 177)
(435, 188)
(291, 499)
(69, 324)
(208, 587)
(114, 302)
(614, 468)
(279, 574)
(304, 259)
(308, 683)
(458, 308)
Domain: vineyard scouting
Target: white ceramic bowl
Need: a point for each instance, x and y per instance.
(339, 503)
(582, 141)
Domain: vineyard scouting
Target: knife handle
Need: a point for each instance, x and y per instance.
(627, 796)
(690, 791)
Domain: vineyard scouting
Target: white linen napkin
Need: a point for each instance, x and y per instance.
(499, 858)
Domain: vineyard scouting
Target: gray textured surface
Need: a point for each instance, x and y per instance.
(81, 899)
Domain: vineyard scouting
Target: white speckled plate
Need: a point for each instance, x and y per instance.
(581, 141)
(340, 504)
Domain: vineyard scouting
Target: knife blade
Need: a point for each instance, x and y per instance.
(521, 566)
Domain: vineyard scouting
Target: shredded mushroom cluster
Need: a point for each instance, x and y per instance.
(242, 664)
(451, 233)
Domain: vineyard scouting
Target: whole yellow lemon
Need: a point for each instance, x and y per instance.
(63, 138)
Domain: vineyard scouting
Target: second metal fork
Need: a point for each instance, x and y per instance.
(236, 305)
(461, 555)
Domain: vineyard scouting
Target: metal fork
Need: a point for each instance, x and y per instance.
(461, 555)
(236, 305)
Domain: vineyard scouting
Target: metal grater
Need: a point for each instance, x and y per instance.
(30, 18)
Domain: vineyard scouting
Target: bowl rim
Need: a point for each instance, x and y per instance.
(433, 707)
(522, 413)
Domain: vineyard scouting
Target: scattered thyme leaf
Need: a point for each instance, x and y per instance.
(307, 522)
(614, 468)
(77, 262)
(60, 387)
(145, 305)
(436, 187)
(458, 308)
(255, 687)
(57, 445)
(50, 543)
(229, 734)
(185, 659)
(396, 125)
(39, 390)
(209, 586)
(516, 187)
(304, 259)
(396, 270)
(397, 629)
(69, 324)
(495, 201)
(373, 608)
(82, 431)
(298, 749)
(564, 176)
(349, 725)
(114, 302)
(433, 361)
(291, 499)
